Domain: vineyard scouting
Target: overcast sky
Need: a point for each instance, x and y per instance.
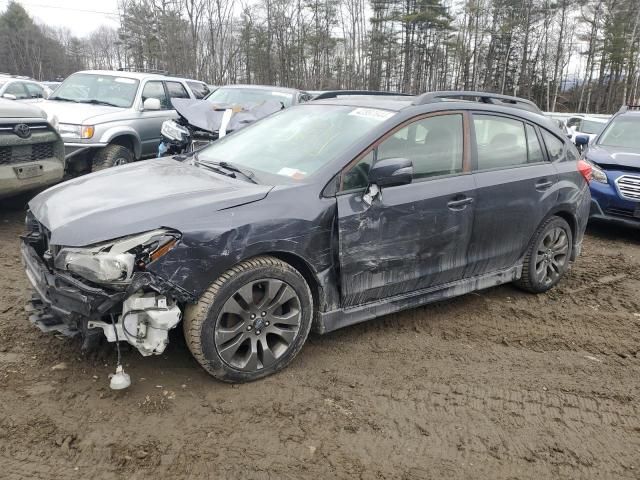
(80, 16)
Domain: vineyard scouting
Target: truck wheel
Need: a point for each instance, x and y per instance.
(547, 258)
(251, 322)
(111, 156)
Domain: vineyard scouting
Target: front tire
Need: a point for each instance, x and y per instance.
(251, 322)
(111, 156)
(548, 256)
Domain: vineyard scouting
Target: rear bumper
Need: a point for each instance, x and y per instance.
(51, 171)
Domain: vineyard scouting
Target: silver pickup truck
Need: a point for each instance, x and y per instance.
(109, 118)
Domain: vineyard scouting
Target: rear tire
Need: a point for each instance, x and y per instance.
(251, 322)
(548, 256)
(111, 156)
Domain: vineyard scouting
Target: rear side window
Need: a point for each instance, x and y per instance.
(177, 90)
(200, 90)
(155, 89)
(433, 144)
(533, 146)
(501, 142)
(555, 146)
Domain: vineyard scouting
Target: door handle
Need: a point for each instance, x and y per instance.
(459, 203)
(543, 185)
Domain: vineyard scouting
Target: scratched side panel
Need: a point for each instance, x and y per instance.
(508, 212)
(405, 241)
(212, 244)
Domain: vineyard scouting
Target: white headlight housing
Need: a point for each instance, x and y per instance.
(101, 267)
(173, 131)
(114, 262)
(69, 131)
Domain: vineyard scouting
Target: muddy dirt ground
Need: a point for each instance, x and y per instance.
(496, 384)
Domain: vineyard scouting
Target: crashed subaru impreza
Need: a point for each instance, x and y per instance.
(323, 214)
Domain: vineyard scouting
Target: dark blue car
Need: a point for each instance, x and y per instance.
(615, 158)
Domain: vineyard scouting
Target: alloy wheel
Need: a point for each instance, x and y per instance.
(551, 256)
(258, 324)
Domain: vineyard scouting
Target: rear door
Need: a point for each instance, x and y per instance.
(516, 188)
(410, 237)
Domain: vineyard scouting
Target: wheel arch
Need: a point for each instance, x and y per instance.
(128, 138)
(307, 272)
(568, 216)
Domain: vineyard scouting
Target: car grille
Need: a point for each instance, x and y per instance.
(26, 153)
(8, 128)
(629, 187)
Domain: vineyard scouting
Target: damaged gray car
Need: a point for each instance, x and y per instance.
(317, 217)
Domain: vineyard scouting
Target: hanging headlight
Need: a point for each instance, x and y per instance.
(115, 262)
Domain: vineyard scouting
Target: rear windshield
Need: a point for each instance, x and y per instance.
(592, 128)
(249, 96)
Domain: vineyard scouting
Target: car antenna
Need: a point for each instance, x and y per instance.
(119, 380)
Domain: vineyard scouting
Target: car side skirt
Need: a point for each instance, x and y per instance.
(343, 317)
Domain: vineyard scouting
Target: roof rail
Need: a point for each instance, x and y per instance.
(482, 97)
(143, 70)
(343, 93)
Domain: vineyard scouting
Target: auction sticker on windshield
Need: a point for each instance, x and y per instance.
(372, 113)
(292, 172)
(124, 80)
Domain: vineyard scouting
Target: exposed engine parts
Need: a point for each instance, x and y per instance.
(145, 322)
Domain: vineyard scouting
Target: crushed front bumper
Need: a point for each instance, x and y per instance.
(60, 302)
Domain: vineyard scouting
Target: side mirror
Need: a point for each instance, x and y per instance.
(9, 96)
(151, 104)
(582, 140)
(391, 172)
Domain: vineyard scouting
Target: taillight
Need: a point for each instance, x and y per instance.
(585, 170)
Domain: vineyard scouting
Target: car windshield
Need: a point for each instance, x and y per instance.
(590, 127)
(99, 89)
(249, 95)
(297, 141)
(622, 132)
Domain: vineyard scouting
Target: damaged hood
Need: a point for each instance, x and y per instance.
(614, 156)
(208, 116)
(136, 198)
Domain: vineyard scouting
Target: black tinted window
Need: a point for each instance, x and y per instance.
(555, 146)
(501, 142)
(200, 90)
(177, 90)
(433, 144)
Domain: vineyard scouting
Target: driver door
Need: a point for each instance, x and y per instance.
(409, 237)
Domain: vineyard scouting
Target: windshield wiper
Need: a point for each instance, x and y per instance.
(95, 101)
(227, 166)
(64, 99)
(249, 175)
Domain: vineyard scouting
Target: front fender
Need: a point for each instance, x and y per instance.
(111, 133)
